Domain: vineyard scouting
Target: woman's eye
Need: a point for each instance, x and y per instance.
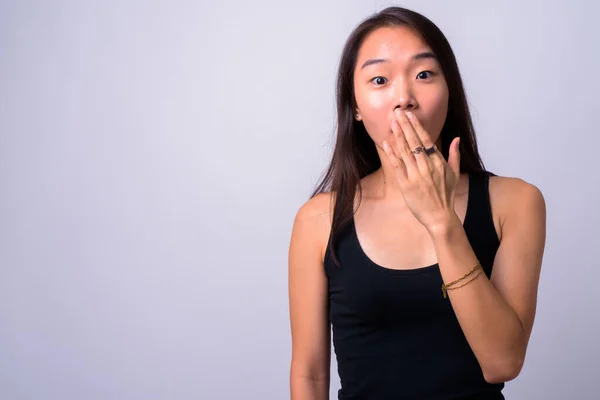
(379, 80)
(424, 74)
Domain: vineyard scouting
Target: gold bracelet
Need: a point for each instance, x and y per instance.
(465, 275)
(458, 287)
(445, 287)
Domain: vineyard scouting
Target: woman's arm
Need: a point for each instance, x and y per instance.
(311, 349)
(497, 315)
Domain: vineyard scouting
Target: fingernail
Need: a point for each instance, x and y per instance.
(409, 114)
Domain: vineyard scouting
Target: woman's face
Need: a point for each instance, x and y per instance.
(396, 68)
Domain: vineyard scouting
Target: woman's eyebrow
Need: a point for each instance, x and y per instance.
(418, 56)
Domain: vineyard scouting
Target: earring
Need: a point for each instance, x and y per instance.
(357, 115)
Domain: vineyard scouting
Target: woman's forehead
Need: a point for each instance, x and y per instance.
(392, 42)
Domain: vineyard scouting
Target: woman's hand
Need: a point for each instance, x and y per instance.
(428, 182)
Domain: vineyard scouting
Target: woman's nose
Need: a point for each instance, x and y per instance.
(403, 97)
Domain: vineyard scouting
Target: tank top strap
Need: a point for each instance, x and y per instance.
(479, 223)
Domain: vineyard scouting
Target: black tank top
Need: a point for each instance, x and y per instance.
(394, 335)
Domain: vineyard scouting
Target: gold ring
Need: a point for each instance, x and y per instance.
(418, 150)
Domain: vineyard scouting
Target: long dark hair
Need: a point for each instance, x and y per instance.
(355, 155)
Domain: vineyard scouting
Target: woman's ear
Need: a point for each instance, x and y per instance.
(357, 116)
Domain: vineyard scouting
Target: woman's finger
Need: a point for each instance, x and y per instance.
(436, 158)
(395, 161)
(422, 161)
(402, 150)
(424, 136)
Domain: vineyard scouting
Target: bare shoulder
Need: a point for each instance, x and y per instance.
(313, 220)
(317, 207)
(514, 197)
(513, 191)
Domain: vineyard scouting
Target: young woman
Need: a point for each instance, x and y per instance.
(425, 264)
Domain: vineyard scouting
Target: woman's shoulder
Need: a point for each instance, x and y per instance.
(317, 207)
(511, 189)
(314, 218)
(510, 197)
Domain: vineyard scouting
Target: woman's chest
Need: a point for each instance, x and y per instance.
(360, 292)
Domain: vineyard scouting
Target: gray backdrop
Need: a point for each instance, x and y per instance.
(153, 155)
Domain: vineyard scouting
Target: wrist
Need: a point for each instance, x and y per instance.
(445, 228)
